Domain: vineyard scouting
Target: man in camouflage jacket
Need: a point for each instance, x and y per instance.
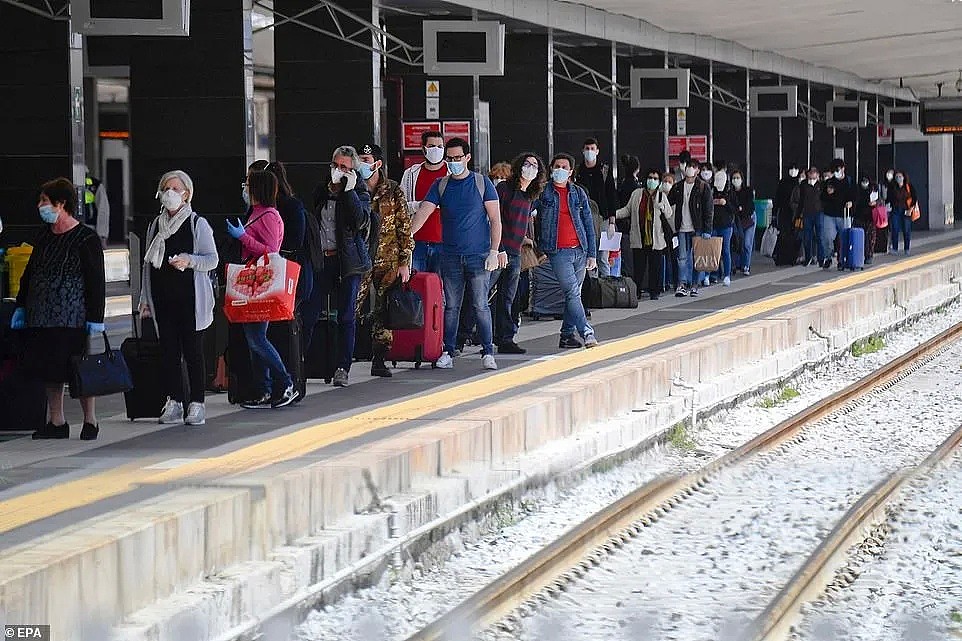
(391, 245)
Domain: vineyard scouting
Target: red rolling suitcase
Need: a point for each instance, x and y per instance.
(422, 345)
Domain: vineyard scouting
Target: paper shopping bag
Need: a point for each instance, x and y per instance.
(707, 253)
(261, 290)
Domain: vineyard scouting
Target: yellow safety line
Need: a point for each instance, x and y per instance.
(22, 510)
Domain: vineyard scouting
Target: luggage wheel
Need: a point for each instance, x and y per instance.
(394, 364)
(327, 381)
(417, 365)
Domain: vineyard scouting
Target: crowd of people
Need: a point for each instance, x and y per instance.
(364, 232)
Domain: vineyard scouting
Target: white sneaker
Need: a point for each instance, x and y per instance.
(488, 362)
(706, 282)
(727, 282)
(196, 414)
(445, 362)
(591, 341)
(747, 272)
(172, 413)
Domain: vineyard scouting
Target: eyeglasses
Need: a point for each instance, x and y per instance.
(454, 158)
(344, 168)
(533, 165)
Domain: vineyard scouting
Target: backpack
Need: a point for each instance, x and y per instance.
(313, 247)
(478, 182)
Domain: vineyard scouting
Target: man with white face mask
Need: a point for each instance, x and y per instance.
(598, 181)
(415, 182)
(694, 210)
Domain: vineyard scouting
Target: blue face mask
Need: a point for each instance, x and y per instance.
(48, 214)
(365, 170)
(456, 168)
(651, 184)
(560, 175)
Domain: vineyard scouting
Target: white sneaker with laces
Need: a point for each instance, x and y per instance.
(196, 414)
(172, 413)
(706, 282)
(445, 362)
(488, 362)
(727, 282)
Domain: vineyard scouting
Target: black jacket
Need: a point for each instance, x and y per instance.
(724, 215)
(842, 192)
(700, 204)
(352, 216)
(807, 199)
(781, 204)
(745, 205)
(627, 187)
(600, 185)
(294, 215)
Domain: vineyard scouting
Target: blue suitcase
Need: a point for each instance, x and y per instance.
(851, 254)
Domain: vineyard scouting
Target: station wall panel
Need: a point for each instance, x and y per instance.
(641, 132)
(35, 117)
(580, 113)
(729, 129)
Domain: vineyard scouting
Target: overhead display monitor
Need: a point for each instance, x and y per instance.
(773, 102)
(463, 48)
(131, 17)
(659, 88)
(942, 116)
(902, 117)
(846, 114)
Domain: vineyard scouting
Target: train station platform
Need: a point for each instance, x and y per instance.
(250, 481)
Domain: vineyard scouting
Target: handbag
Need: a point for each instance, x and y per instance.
(915, 212)
(263, 289)
(706, 253)
(99, 374)
(532, 257)
(403, 307)
(880, 216)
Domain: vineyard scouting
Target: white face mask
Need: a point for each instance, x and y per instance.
(336, 175)
(737, 183)
(529, 173)
(434, 154)
(720, 181)
(793, 173)
(666, 186)
(591, 155)
(864, 184)
(812, 181)
(691, 172)
(889, 176)
(706, 175)
(171, 200)
(839, 174)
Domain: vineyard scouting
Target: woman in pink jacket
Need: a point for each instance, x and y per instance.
(262, 235)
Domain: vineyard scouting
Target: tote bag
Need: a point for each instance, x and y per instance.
(99, 374)
(263, 289)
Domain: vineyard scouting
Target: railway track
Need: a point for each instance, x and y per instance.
(548, 572)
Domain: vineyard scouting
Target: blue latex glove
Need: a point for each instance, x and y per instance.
(19, 319)
(95, 328)
(235, 230)
(706, 235)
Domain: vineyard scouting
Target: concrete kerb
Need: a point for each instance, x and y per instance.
(338, 512)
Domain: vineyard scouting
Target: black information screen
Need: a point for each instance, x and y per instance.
(462, 46)
(659, 88)
(900, 118)
(772, 102)
(845, 114)
(127, 9)
(942, 121)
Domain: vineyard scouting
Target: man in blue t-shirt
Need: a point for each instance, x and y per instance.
(470, 237)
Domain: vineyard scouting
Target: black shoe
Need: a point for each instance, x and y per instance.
(262, 403)
(569, 342)
(89, 432)
(378, 368)
(51, 431)
(654, 296)
(511, 348)
(289, 396)
(827, 263)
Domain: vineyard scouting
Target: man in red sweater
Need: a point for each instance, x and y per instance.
(415, 183)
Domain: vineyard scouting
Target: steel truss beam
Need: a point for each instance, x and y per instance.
(53, 10)
(343, 25)
(577, 72)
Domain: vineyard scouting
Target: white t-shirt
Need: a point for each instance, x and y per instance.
(686, 222)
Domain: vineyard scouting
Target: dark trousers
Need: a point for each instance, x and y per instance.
(870, 231)
(179, 340)
(328, 284)
(649, 269)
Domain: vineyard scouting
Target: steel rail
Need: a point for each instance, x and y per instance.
(615, 524)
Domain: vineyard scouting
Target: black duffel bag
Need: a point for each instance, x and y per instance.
(608, 292)
(403, 307)
(99, 374)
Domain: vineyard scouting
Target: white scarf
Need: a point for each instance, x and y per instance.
(167, 226)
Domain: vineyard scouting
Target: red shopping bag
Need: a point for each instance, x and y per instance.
(880, 216)
(261, 290)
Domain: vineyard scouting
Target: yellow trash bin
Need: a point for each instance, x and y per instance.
(17, 259)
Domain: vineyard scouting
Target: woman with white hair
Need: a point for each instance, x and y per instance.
(177, 292)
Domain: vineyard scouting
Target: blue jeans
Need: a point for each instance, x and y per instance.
(748, 244)
(899, 221)
(266, 363)
(812, 235)
(427, 257)
(831, 228)
(686, 261)
(569, 269)
(604, 269)
(457, 272)
(725, 266)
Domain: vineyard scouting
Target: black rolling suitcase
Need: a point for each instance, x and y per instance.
(23, 401)
(143, 356)
(321, 358)
(547, 297)
(286, 338)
